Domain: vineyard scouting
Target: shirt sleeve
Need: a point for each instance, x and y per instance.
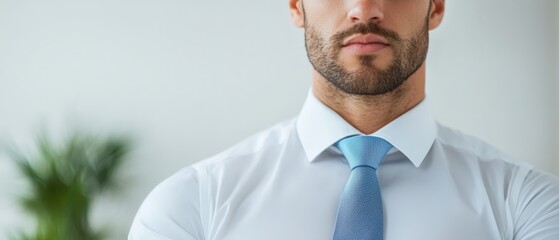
(537, 212)
(171, 211)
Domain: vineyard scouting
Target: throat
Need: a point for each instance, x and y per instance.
(368, 113)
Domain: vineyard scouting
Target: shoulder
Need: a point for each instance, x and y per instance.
(247, 151)
(171, 210)
(531, 196)
(481, 165)
(473, 149)
(184, 185)
(176, 208)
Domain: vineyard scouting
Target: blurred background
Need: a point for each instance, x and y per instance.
(187, 79)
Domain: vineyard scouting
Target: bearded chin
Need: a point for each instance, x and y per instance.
(408, 56)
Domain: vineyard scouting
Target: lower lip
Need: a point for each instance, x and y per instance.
(365, 48)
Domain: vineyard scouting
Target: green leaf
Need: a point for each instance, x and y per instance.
(65, 180)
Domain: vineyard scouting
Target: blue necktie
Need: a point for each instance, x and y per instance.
(360, 214)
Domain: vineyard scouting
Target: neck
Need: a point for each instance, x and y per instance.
(369, 113)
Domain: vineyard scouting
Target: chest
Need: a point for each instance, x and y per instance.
(301, 202)
(307, 210)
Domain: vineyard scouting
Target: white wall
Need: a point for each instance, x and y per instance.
(557, 71)
(190, 78)
(493, 74)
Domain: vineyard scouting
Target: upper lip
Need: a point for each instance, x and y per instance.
(364, 39)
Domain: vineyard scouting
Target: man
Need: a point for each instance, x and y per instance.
(364, 159)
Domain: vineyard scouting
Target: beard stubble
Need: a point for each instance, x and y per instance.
(408, 56)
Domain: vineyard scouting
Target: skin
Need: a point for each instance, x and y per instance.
(368, 111)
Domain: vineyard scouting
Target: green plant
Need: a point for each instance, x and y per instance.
(65, 179)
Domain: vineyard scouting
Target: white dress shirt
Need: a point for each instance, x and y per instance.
(285, 184)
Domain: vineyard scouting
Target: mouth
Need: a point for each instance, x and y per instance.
(365, 44)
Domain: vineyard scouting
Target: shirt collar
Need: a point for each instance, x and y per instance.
(319, 127)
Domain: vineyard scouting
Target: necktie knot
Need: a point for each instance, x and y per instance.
(363, 150)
